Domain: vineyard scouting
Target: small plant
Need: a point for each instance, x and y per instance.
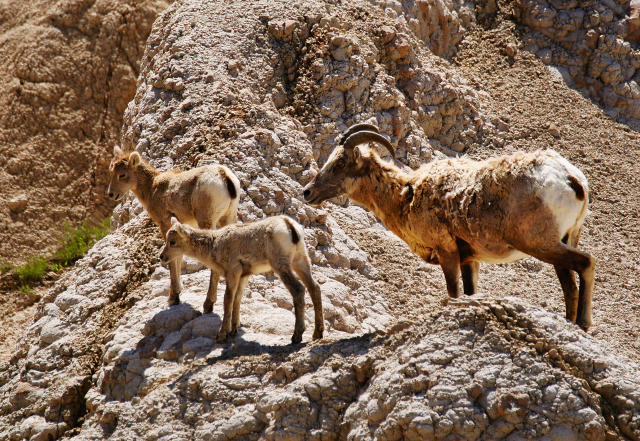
(27, 290)
(77, 241)
(32, 271)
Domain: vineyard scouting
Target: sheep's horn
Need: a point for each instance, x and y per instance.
(358, 128)
(362, 137)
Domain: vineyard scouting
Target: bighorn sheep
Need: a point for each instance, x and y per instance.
(204, 196)
(458, 212)
(238, 251)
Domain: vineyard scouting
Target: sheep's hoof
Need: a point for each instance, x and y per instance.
(296, 339)
(317, 334)
(221, 337)
(584, 327)
(174, 301)
(207, 307)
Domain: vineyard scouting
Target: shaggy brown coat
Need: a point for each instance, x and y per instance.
(238, 251)
(459, 212)
(206, 197)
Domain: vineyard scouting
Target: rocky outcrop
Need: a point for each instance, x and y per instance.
(67, 71)
(265, 88)
(594, 47)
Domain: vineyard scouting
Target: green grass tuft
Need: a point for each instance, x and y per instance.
(77, 241)
(74, 244)
(32, 271)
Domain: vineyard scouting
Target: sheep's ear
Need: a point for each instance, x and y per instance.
(134, 159)
(179, 229)
(174, 221)
(117, 152)
(357, 155)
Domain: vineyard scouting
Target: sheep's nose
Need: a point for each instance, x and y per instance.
(111, 195)
(307, 193)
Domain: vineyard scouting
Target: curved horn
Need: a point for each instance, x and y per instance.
(362, 137)
(358, 128)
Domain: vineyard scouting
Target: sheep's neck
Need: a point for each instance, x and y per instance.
(201, 246)
(145, 174)
(383, 190)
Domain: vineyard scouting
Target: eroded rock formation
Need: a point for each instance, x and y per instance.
(265, 88)
(68, 70)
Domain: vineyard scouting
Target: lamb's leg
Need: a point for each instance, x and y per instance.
(233, 280)
(568, 282)
(212, 293)
(302, 267)
(176, 286)
(235, 318)
(470, 277)
(569, 258)
(450, 263)
(297, 292)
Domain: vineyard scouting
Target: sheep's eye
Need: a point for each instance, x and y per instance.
(341, 164)
(123, 175)
(172, 243)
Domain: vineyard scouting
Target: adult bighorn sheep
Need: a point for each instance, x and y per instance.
(238, 251)
(458, 212)
(204, 196)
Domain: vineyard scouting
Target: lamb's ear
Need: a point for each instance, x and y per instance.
(134, 159)
(117, 152)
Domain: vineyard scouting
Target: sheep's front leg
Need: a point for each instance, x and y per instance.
(470, 277)
(450, 262)
(212, 294)
(176, 286)
(233, 280)
(297, 292)
(235, 320)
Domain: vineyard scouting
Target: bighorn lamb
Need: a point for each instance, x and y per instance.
(205, 196)
(458, 212)
(238, 251)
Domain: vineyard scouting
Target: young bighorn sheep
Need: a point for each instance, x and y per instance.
(238, 251)
(458, 212)
(204, 196)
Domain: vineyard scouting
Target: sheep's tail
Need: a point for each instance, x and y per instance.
(295, 237)
(233, 192)
(576, 186)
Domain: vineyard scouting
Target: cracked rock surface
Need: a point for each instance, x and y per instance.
(265, 88)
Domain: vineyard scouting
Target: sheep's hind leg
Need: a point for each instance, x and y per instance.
(237, 299)
(212, 293)
(302, 267)
(568, 282)
(297, 292)
(571, 259)
(176, 286)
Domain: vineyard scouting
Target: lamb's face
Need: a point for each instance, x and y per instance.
(123, 176)
(173, 246)
(336, 178)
